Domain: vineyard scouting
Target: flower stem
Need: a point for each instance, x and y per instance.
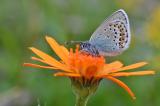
(81, 101)
(83, 90)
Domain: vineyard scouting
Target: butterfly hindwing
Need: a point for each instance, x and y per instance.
(112, 37)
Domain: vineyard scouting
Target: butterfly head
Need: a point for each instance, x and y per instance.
(85, 47)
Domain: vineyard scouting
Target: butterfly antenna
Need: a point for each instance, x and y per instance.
(73, 42)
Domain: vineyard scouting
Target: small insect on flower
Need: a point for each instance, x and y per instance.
(84, 70)
(111, 38)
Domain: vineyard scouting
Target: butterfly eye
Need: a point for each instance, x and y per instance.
(82, 46)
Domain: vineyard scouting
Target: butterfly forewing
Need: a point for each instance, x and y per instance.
(112, 37)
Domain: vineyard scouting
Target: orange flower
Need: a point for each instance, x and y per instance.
(85, 68)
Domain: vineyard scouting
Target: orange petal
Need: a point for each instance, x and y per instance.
(113, 65)
(38, 66)
(123, 85)
(65, 50)
(49, 60)
(133, 66)
(109, 67)
(140, 73)
(67, 74)
(38, 59)
(57, 49)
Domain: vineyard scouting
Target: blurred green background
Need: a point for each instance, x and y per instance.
(24, 23)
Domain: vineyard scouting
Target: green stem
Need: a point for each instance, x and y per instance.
(83, 90)
(81, 101)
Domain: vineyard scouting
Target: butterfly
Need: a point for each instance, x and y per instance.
(111, 38)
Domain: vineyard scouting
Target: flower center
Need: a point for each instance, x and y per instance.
(85, 64)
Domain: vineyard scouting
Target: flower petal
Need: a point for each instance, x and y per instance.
(49, 60)
(133, 66)
(38, 66)
(113, 65)
(121, 84)
(57, 49)
(67, 74)
(120, 74)
(38, 59)
(109, 67)
(65, 50)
